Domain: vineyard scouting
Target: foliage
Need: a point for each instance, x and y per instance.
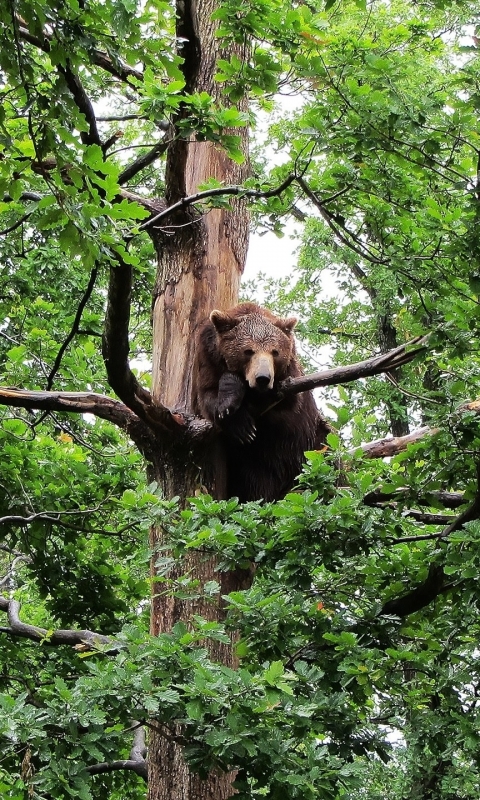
(336, 695)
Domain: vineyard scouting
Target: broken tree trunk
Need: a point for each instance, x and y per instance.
(201, 257)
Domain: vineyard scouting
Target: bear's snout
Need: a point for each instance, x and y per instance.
(260, 372)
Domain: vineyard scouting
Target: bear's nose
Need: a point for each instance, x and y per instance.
(262, 381)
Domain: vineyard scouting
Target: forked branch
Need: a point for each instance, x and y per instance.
(136, 761)
(85, 403)
(139, 416)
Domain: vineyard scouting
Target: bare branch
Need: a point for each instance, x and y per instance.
(140, 767)
(352, 372)
(385, 448)
(238, 191)
(121, 117)
(390, 446)
(83, 104)
(85, 403)
(116, 348)
(19, 559)
(52, 516)
(76, 402)
(75, 327)
(136, 763)
(144, 161)
(82, 640)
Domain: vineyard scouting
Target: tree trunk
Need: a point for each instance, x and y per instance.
(201, 257)
(397, 409)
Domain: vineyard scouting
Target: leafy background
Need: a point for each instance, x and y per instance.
(340, 692)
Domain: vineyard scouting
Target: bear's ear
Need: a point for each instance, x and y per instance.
(287, 325)
(223, 322)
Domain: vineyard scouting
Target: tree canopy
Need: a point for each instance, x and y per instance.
(349, 609)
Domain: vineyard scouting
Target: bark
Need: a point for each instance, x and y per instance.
(200, 262)
(397, 408)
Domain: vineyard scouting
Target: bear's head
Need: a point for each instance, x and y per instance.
(258, 346)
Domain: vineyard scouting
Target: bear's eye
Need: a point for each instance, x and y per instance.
(248, 352)
(275, 353)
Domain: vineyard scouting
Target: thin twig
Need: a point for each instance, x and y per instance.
(74, 329)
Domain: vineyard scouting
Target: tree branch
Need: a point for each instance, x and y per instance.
(352, 372)
(238, 191)
(140, 767)
(119, 69)
(434, 584)
(419, 597)
(390, 446)
(19, 559)
(75, 326)
(137, 402)
(116, 348)
(385, 448)
(428, 518)
(143, 161)
(356, 244)
(136, 762)
(446, 499)
(82, 640)
(16, 224)
(85, 403)
(83, 104)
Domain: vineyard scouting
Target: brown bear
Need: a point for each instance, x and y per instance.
(242, 356)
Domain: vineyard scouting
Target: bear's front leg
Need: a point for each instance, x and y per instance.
(232, 417)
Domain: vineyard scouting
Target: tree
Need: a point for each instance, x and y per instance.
(357, 624)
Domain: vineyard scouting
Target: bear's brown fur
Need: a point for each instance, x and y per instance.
(242, 355)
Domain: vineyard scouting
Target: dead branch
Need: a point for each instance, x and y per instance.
(140, 767)
(352, 372)
(390, 446)
(19, 559)
(81, 640)
(121, 117)
(76, 402)
(85, 403)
